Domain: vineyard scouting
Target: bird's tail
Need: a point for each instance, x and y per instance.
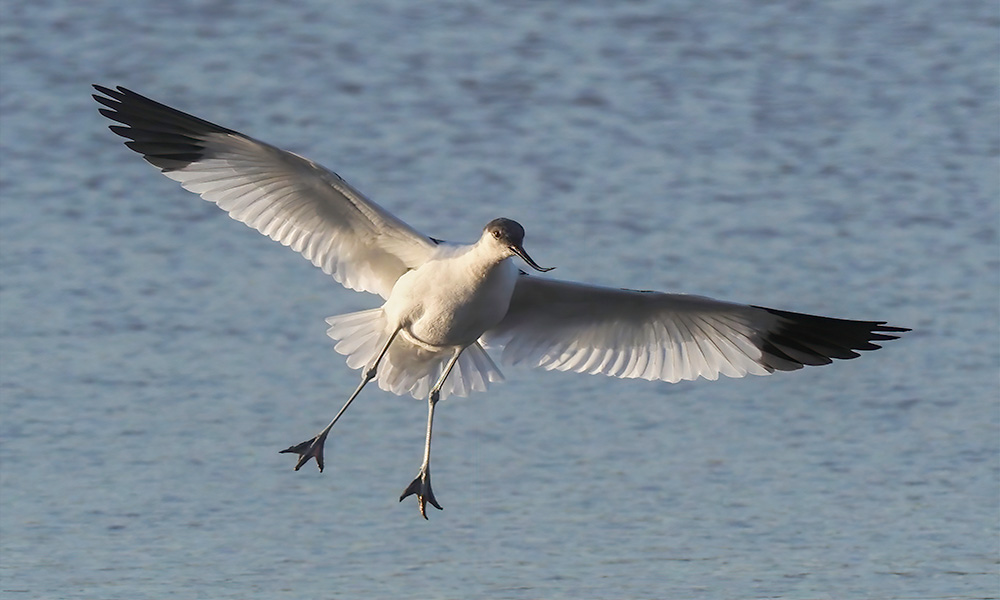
(407, 367)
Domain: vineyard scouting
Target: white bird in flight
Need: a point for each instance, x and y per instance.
(446, 303)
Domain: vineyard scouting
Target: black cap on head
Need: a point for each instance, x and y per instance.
(506, 230)
(511, 234)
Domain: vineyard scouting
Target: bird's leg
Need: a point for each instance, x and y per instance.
(313, 448)
(421, 485)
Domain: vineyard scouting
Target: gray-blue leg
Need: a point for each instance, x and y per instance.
(421, 485)
(313, 448)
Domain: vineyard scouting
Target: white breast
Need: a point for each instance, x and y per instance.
(454, 300)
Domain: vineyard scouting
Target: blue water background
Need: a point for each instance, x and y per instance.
(837, 158)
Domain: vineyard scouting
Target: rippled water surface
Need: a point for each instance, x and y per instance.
(833, 158)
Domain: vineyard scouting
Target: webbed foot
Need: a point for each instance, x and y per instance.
(308, 449)
(421, 486)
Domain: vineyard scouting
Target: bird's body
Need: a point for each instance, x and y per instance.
(455, 298)
(445, 304)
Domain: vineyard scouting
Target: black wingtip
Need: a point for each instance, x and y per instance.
(166, 137)
(799, 340)
(114, 96)
(883, 327)
(100, 88)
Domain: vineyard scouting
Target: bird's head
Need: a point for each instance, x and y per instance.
(509, 234)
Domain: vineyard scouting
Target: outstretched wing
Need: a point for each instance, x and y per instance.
(286, 197)
(571, 326)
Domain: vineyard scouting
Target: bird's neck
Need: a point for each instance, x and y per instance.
(482, 258)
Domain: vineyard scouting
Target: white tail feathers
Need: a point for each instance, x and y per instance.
(407, 367)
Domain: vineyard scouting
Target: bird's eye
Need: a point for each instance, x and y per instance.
(496, 233)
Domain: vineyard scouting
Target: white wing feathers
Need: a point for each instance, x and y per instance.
(286, 197)
(550, 324)
(570, 326)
